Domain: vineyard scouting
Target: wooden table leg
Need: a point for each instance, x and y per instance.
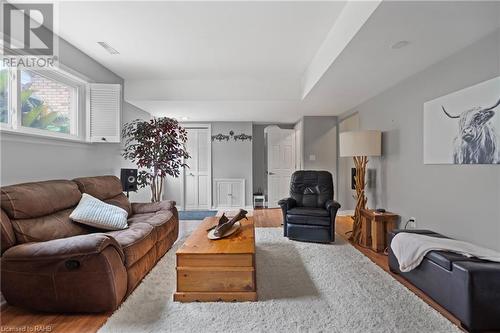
(378, 231)
(366, 236)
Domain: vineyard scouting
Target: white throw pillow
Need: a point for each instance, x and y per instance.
(98, 214)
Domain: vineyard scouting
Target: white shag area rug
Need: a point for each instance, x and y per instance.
(302, 287)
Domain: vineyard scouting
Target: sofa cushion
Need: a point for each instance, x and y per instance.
(135, 241)
(158, 220)
(121, 201)
(98, 214)
(309, 211)
(32, 200)
(48, 227)
(311, 188)
(152, 207)
(106, 188)
(446, 259)
(8, 238)
(100, 187)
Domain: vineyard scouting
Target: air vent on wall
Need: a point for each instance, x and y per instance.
(108, 48)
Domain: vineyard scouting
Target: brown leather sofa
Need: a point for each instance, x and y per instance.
(50, 263)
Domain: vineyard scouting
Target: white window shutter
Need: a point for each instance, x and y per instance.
(104, 111)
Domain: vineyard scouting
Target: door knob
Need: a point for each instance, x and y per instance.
(270, 173)
(191, 174)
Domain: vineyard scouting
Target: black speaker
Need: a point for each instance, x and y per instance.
(353, 178)
(129, 179)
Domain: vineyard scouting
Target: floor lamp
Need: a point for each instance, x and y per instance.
(359, 145)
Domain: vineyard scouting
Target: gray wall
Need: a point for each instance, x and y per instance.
(461, 201)
(320, 142)
(259, 155)
(233, 159)
(26, 158)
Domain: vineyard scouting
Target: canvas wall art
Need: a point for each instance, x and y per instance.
(464, 127)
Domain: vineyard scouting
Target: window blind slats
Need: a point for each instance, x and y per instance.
(104, 110)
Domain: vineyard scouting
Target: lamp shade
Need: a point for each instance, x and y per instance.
(360, 143)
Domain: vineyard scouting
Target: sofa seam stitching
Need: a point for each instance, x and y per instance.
(11, 201)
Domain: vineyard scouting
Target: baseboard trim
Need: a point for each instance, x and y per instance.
(232, 208)
(345, 212)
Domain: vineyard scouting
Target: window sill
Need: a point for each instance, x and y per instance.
(8, 134)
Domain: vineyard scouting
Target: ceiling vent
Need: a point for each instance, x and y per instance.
(400, 44)
(108, 48)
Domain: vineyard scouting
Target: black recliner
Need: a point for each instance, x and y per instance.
(309, 214)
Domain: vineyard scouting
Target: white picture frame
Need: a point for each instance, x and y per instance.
(464, 127)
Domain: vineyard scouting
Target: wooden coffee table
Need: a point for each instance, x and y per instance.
(217, 270)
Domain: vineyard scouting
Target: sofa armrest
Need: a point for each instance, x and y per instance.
(287, 204)
(62, 248)
(332, 205)
(75, 274)
(152, 207)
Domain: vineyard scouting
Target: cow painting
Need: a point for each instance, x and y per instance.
(477, 142)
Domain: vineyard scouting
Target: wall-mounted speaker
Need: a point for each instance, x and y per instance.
(353, 178)
(129, 179)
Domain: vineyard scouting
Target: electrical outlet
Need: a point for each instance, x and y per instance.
(412, 223)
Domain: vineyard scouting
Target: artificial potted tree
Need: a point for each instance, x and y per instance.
(158, 148)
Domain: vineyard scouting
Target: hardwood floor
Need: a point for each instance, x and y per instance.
(14, 319)
(267, 218)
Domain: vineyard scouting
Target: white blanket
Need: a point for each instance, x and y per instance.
(410, 249)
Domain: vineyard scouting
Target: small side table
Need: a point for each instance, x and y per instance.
(374, 228)
(259, 200)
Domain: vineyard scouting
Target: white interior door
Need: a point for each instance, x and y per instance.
(197, 178)
(280, 163)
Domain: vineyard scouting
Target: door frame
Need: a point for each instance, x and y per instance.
(183, 191)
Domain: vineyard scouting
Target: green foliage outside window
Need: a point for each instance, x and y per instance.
(36, 111)
(4, 84)
(37, 114)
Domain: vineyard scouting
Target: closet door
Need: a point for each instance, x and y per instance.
(223, 190)
(203, 169)
(190, 173)
(229, 193)
(197, 176)
(237, 200)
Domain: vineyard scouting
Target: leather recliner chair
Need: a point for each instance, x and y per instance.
(309, 214)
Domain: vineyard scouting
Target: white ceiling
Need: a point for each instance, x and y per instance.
(201, 40)
(246, 61)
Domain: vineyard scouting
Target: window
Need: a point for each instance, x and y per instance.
(41, 102)
(47, 104)
(4, 94)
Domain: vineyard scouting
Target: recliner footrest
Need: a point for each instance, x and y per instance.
(309, 233)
